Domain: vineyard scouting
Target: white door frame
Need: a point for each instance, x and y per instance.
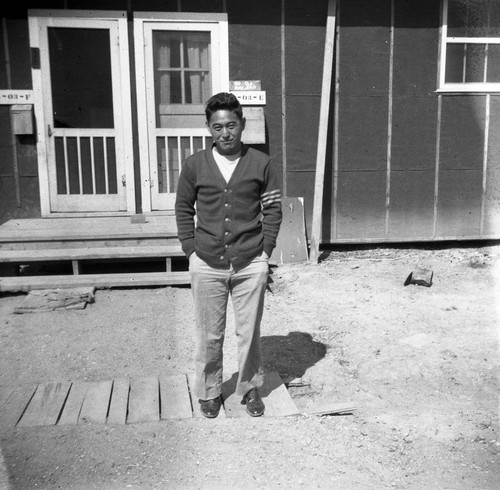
(116, 22)
(144, 24)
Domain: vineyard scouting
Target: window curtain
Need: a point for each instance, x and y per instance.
(164, 62)
(198, 58)
(183, 58)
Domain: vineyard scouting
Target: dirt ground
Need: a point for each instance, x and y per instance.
(419, 363)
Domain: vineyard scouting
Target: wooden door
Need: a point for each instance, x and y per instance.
(181, 60)
(82, 84)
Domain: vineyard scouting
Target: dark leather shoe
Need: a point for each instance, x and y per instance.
(254, 403)
(210, 408)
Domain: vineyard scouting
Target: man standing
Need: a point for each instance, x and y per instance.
(232, 192)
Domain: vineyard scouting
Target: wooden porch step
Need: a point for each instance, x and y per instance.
(88, 253)
(126, 401)
(99, 281)
(74, 229)
(118, 231)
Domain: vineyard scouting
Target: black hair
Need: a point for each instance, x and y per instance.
(223, 101)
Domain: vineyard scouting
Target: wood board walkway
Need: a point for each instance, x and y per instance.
(127, 401)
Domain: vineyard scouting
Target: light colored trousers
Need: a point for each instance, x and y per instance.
(211, 288)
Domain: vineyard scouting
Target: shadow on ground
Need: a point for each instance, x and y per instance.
(291, 356)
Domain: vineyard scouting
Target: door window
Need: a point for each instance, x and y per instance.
(183, 71)
(80, 72)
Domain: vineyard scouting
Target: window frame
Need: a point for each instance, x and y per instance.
(463, 87)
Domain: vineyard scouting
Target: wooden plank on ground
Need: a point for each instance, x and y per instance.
(196, 406)
(27, 283)
(278, 401)
(74, 402)
(274, 394)
(15, 404)
(118, 406)
(332, 409)
(46, 405)
(96, 403)
(144, 400)
(5, 393)
(175, 398)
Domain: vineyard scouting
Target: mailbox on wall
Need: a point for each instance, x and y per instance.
(22, 119)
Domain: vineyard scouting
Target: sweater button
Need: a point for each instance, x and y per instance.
(227, 219)
(221, 257)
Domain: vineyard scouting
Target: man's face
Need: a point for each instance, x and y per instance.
(226, 128)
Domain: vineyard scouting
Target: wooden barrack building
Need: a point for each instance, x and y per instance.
(383, 115)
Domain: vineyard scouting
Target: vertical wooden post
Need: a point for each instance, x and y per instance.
(283, 98)
(15, 161)
(323, 132)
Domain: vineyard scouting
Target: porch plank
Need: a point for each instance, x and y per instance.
(109, 222)
(278, 401)
(89, 242)
(89, 253)
(144, 401)
(274, 394)
(46, 405)
(119, 401)
(86, 227)
(27, 283)
(96, 403)
(174, 396)
(74, 402)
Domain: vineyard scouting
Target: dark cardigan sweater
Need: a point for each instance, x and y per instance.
(236, 220)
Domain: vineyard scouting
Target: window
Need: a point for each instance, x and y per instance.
(182, 71)
(470, 46)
